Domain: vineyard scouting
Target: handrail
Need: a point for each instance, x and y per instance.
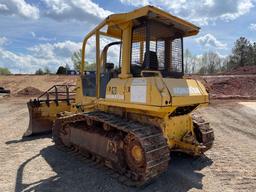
(58, 95)
(90, 34)
(48, 91)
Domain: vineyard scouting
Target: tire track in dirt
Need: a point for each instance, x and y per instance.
(234, 151)
(229, 166)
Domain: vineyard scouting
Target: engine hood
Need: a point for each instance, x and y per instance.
(186, 91)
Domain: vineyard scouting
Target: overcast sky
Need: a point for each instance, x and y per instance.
(39, 33)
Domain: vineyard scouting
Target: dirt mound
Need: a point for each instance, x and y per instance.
(242, 87)
(29, 91)
(16, 83)
(243, 70)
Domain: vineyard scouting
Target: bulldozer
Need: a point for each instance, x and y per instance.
(131, 114)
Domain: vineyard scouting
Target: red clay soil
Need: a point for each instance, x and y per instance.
(239, 83)
(231, 87)
(242, 70)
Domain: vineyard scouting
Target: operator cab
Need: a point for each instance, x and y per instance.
(156, 46)
(150, 43)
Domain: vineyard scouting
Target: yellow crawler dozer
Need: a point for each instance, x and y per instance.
(130, 114)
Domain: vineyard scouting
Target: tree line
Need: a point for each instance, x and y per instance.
(243, 54)
(76, 59)
(4, 71)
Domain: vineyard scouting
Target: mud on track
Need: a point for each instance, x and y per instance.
(36, 165)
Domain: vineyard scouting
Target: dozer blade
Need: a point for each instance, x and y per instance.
(44, 109)
(37, 122)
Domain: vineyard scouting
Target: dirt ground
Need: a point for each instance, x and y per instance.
(17, 83)
(34, 164)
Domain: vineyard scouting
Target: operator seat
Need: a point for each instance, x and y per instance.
(150, 60)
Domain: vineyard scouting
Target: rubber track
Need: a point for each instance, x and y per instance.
(157, 153)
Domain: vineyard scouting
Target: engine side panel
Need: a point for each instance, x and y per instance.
(156, 91)
(186, 92)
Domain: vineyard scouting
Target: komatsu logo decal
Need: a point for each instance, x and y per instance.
(117, 96)
(186, 91)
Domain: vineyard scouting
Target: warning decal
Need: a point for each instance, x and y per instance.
(139, 91)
